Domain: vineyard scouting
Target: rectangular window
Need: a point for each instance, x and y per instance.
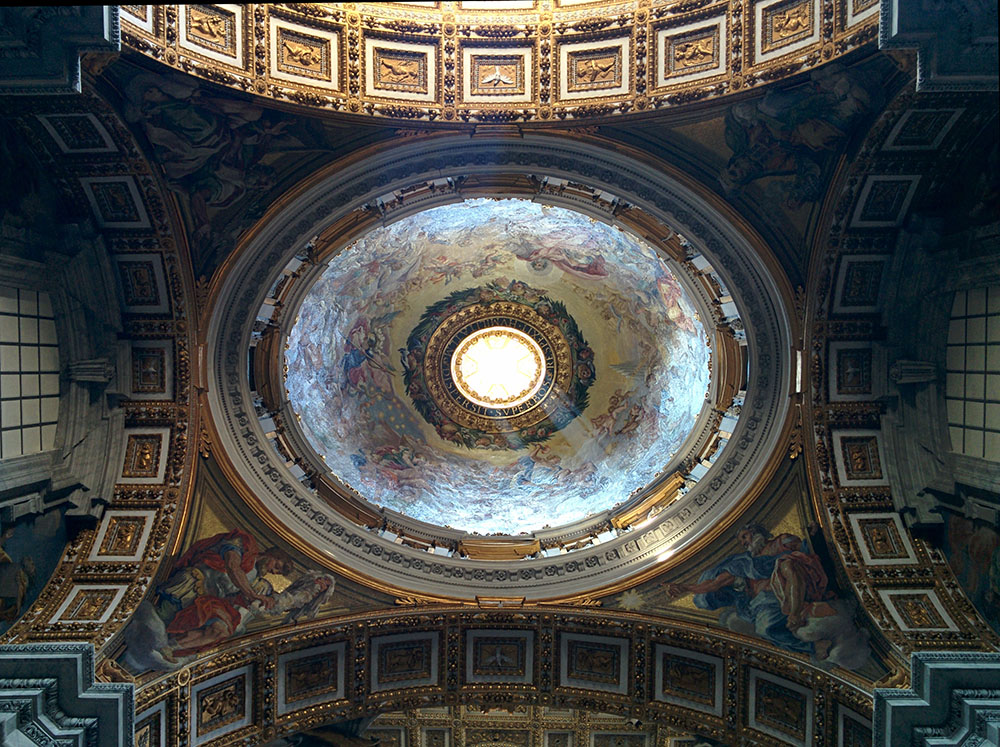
(972, 384)
(29, 373)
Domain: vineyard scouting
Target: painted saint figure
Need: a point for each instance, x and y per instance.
(214, 589)
(778, 588)
(201, 600)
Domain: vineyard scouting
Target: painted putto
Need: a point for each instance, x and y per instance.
(635, 362)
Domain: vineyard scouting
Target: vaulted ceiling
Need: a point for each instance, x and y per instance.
(751, 230)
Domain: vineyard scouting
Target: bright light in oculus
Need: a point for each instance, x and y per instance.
(498, 367)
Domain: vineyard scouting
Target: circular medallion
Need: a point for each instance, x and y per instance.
(498, 367)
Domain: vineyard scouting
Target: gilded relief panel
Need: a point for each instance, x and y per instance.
(78, 133)
(497, 75)
(781, 709)
(404, 660)
(858, 458)
(917, 609)
(595, 662)
(859, 283)
(499, 656)
(221, 704)
(861, 458)
(432, 737)
(400, 70)
(139, 282)
(149, 370)
(88, 603)
(142, 455)
(687, 678)
(883, 201)
(388, 736)
(310, 676)
(115, 201)
(595, 69)
(852, 729)
(786, 23)
(512, 737)
(921, 129)
(692, 52)
(122, 535)
(854, 372)
(144, 288)
(881, 539)
(304, 55)
(212, 27)
(150, 729)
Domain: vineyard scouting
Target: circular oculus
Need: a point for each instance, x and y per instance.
(498, 367)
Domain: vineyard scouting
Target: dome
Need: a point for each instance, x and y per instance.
(640, 422)
(611, 374)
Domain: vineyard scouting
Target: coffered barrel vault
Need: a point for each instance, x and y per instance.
(531, 61)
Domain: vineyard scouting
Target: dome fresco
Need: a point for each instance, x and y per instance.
(629, 357)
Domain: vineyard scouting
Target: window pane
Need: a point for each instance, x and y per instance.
(976, 330)
(8, 328)
(31, 411)
(10, 413)
(10, 385)
(31, 440)
(48, 437)
(10, 443)
(974, 443)
(977, 301)
(29, 329)
(49, 383)
(47, 332)
(975, 386)
(10, 358)
(29, 385)
(29, 357)
(49, 359)
(50, 409)
(991, 447)
(974, 414)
